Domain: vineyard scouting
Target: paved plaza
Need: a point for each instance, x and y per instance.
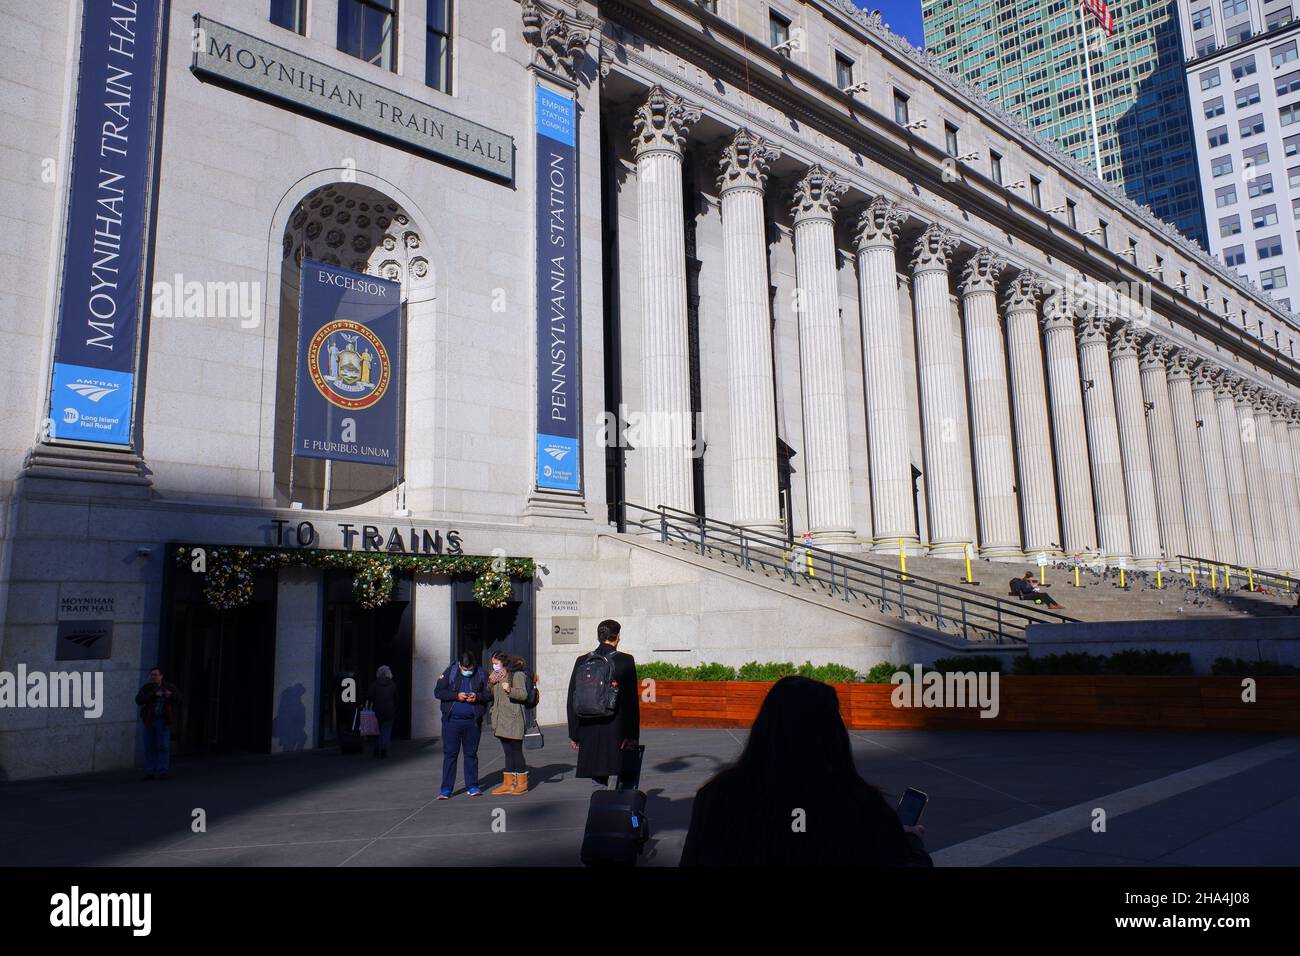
(996, 798)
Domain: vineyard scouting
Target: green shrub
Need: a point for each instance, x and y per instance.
(712, 671)
(1236, 667)
(754, 671)
(1060, 664)
(968, 662)
(828, 673)
(1149, 662)
(662, 670)
(882, 672)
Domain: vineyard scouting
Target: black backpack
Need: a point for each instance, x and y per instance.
(595, 693)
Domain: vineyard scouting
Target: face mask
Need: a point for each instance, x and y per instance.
(467, 673)
(496, 666)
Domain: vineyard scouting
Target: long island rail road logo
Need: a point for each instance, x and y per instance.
(348, 364)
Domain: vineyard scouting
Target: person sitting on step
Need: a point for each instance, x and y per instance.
(1029, 591)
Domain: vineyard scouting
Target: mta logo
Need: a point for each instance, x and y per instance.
(92, 391)
(558, 452)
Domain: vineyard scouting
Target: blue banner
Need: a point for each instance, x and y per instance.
(349, 404)
(102, 296)
(559, 408)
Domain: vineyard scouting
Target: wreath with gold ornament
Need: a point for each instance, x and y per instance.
(492, 589)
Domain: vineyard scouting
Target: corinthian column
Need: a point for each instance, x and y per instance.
(886, 384)
(1244, 399)
(1279, 519)
(1193, 485)
(1103, 439)
(1036, 484)
(1134, 446)
(661, 124)
(1214, 460)
(821, 357)
(1234, 461)
(990, 408)
(948, 484)
(1287, 431)
(755, 497)
(1163, 447)
(1078, 517)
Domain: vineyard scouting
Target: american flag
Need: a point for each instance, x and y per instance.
(1100, 10)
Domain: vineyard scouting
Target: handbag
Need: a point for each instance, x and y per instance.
(369, 722)
(533, 739)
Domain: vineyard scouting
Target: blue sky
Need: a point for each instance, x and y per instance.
(903, 17)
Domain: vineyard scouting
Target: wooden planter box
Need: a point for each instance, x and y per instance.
(1026, 703)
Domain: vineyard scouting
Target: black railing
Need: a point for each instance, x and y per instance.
(1274, 579)
(949, 608)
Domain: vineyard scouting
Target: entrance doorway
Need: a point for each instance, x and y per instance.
(358, 641)
(223, 665)
(484, 631)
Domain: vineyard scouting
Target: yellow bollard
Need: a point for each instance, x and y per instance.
(1214, 579)
(902, 559)
(1288, 582)
(1191, 570)
(1160, 581)
(1250, 579)
(970, 579)
(1227, 579)
(1123, 581)
(1076, 576)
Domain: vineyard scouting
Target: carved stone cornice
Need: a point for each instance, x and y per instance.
(1024, 292)
(559, 39)
(980, 274)
(933, 251)
(879, 223)
(817, 195)
(661, 123)
(745, 162)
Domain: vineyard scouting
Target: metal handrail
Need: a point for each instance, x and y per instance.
(1279, 579)
(847, 576)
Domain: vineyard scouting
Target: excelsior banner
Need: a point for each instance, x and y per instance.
(559, 369)
(348, 405)
(105, 242)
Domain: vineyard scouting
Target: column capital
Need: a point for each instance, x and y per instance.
(817, 195)
(879, 223)
(1059, 310)
(980, 274)
(1124, 339)
(1155, 351)
(745, 161)
(1092, 328)
(1024, 292)
(1225, 384)
(662, 122)
(934, 249)
(1179, 364)
(559, 38)
(1204, 374)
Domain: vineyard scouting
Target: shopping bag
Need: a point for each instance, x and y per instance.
(533, 739)
(369, 722)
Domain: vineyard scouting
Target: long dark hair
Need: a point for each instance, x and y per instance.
(798, 740)
(509, 661)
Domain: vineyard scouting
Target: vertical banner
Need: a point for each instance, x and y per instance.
(102, 295)
(348, 405)
(559, 409)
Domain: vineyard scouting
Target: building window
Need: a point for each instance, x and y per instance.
(1255, 156)
(1229, 226)
(1295, 208)
(1270, 279)
(1225, 196)
(1268, 248)
(1103, 227)
(1214, 107)
(1289, 114)
(437, 46)
(1210, 79)
(1288, 84)
(1235, 256)
(1263, 216)
(1072, 213)
(1205, 46)
(1232, 8)
(778, 28)
(1248, 96)
(995, 166)
(290, 14)
(1243, 67)
(1202, 19)
(950, 139)
(1221, 166)
(1260, 186)
(900, 108)
(1251, 126)
(1285, 53)
(368, 31)
(1218, 136)
(1291, 145)
(1036, 191)
(1278, 18)
(843, 71)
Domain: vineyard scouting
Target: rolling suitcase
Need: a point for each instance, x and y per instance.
(617, 828)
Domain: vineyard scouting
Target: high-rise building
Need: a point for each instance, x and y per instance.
(1028, 55)
(1243, 79)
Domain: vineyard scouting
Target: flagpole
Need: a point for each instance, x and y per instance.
(1092, 106)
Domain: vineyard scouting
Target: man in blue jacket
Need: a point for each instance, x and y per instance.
(465, 697)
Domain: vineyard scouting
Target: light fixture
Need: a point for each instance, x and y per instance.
(860, 87)
(784, 48)
(972, 157)
(916, 124)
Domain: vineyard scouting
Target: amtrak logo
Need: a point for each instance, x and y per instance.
(85, 638)
(558, 452)
(93, 390)
(348, 364)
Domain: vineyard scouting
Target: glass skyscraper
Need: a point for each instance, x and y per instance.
(1028, 56)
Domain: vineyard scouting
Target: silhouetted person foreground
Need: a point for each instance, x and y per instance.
(794, 798)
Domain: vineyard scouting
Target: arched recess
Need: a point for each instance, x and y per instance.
(355, 226)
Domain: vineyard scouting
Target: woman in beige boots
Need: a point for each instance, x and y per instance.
(509, 683)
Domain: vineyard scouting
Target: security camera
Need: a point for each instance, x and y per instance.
(784, 48)
(916, 124)
(969, 158)
(860, 87)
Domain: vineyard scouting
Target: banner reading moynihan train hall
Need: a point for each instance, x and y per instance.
(349, 404)
(110, 195)
(559, 413)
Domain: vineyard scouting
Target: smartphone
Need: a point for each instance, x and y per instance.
(911, 805)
